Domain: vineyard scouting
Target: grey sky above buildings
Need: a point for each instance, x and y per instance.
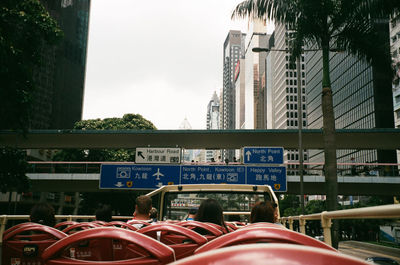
(160, 59)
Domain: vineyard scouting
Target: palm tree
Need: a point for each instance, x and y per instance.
(349, 25)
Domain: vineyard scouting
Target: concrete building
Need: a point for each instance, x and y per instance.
(362, 98)
(58, 100)
(254, 95)
(240, 107)
(233, 50)
(394, 27)
(281, 94)
(213, 123)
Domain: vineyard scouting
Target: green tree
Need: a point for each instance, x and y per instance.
(25, 26)
(127, 122)
(329, 24)
(122, 202)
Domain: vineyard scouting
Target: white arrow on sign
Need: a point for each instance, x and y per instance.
(119, 184)
(248, 153)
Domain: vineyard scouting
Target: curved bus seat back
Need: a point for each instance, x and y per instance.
(182, 240)
(98, 222)
(262, 235)
(78, 227)
(108, 245)
(122, 225)
(25, 244)
(260, 254)
(222, 229)
(62, 225)
(205, 229)
(17, 226)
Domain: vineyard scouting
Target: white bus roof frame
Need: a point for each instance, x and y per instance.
(212, 188)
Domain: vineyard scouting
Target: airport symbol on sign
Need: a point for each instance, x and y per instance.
(263, 155)
(149, 155)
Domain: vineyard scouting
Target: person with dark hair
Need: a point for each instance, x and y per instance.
(43, 213)
(210, 211)
(264, 211)
(142, 210)
(153, 214)
(192, 214)
(104, 213)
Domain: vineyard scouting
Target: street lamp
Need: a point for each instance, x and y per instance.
(299, 119)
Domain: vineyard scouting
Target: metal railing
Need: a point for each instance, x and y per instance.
(391, 211)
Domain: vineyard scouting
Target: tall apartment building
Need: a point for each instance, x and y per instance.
(254, 94)
(233, 49)
(282, 89)
(60, 81)
(395, 51)
(362, 98)
(213, 120)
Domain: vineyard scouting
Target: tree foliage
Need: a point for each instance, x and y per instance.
(13, 167)
(127, 122)
(25, 26)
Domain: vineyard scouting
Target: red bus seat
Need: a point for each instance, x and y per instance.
(122, 225)
(17, 226)
(182, 240)
(210, 232)
(232, 226)
(262, 235)
(61, 226)
(25, 244)
(108, 245)
(98, 222)
(78, 227)
(260, 254)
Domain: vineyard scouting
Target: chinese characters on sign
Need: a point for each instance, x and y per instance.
(153, 176)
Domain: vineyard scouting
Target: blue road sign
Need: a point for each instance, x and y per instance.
(138, 176)
(263, 155)
(273, 176)
(213, 174)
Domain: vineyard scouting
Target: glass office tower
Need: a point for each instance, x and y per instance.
(362, 98)
(60, 81)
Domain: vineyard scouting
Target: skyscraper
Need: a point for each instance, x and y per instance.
(213, 120)
(60, 81)
(254, 96)
(395, 51)
(281, 89)
(233, 49)
(362, 97)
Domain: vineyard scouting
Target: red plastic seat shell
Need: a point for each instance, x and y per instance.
(15, 241)
(161, 253)
(263, 234)
(173, 235)
(277, 254)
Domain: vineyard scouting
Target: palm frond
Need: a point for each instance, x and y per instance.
(278, 10)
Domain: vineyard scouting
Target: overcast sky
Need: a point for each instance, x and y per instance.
(161, 59)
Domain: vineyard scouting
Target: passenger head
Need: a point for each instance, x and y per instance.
(210, 211)
(264, 212)
(104, 213)
(143, 204)
(43, 213)
(153, 213)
